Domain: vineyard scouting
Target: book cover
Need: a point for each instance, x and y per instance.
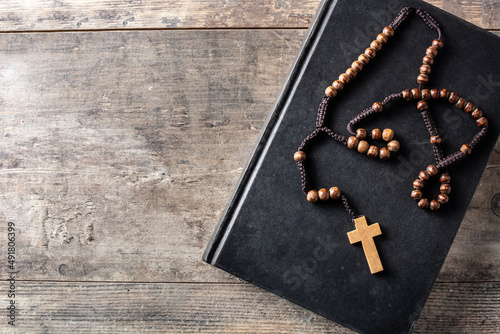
(271, 236)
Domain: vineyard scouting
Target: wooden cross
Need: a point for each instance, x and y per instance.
(364, 234)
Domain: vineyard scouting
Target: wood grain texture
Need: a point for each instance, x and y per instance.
(44, 15)
(49, 307)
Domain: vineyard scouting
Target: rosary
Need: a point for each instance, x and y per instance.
(365, 233)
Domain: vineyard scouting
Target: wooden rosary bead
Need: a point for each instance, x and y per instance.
(432, 170)
(461, 103)
(422, 105)
(415, 93)
(384, 153)
(423, 175)
(371, 52)
(323, 194)
(351, 73)
(352, 142)
(469, 107)
(387, 135)
(357, 66)
(372, 151)
(445, 188)
(344, 78)
(361, 133)
(444, 94)
(312, 196)
(423, 203)
(437, 43)
(393, 146)
(426, 94)
(364, 59)
(443, 198)
(428, 60)
(434, 94)
(299, 156)
(453, 97)
(407, 94)
(363, 146)
(431, 52)
(436, 140)
(425, 69)
(376, 134)
(382, 38)
(377, 107)
(482, 122)
(422, 79)
(477, 113)
(416, 195)
(338, 85)
(331, 92)
(418, 184)
(445, 178)
(465, 149)
(335, 193)
(376, 45)
(434, 205)
(388, 31)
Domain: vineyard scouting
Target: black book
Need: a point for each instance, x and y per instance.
(269, 235)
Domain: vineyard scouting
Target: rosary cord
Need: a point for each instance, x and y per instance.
(431, 127)
(320, 120)
(348, 207)
(426, 17)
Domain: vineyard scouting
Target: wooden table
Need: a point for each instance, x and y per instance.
(125, 126)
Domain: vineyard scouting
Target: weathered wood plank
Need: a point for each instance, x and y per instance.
(50, 307)
(120, 151)
(42, 15)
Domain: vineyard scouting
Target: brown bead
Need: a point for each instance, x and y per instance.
(423, 203)
(376, 45)
(465, 149)
(445, 178)
(415, 93)
(338, 85)
(407, 94)
(393, 146)
(434, 94)
(422, 105)
(335, 193)
(426, 94)
(352, 142)
(423, 175)
(364, 59)
(445, 188)
(344, 78)
(387, 134)
(372, 152)
(361, 133)
(432, 170)
(357, 66)
(431, 52)
(299, 156)
(482, 122)
(425, 69)
(436, 140)
(469, 107)
(444, 94)
(437, 43)
(416, 195)
(377, 107)
(384, 153)
(382, 38)
(330, 92)
(434, 205)
(323, 194)
(351, 73)
(363, 146)
(443, 198)
(422, 79)
(453, 97)
(388, 31)
(461, 103)
(418, 184)
(371, 52)
(477, 113)
(428, 60)
(312, 196)
(376, 134)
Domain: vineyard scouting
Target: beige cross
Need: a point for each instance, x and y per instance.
(364, 234)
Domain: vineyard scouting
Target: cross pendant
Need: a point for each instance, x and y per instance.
(364, 234)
